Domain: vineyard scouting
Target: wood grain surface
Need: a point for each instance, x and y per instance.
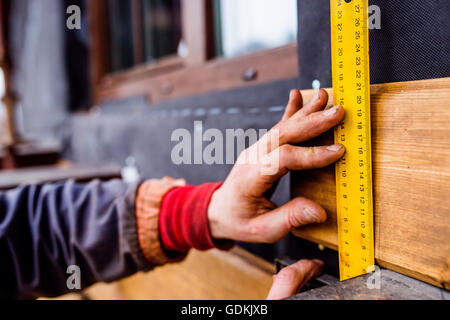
(212, 275)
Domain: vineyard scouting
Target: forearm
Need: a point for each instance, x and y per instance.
(46, 229)
(109, 230)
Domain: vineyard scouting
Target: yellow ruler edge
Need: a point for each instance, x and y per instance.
(351, 90)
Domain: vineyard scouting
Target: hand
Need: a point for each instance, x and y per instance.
(241, 210)
(291, 279)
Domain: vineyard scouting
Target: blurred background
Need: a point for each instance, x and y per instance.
(148, 49)
(94, 89)
(121, 42)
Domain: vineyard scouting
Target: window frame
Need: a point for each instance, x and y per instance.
(176, 77)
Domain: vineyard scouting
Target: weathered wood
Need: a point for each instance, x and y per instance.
(220, 74)
(174, 77)
(411, 167)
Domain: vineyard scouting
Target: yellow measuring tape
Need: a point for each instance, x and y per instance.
(351, 90)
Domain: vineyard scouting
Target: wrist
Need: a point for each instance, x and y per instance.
(214, 216)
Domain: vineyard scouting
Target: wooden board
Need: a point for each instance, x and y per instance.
(212, 275)
(411, 164)
(221, 74)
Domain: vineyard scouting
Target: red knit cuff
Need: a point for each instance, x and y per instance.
(184, 222)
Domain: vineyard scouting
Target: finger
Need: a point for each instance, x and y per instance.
(295, 104)
(318, 103)
(290, 158)
(306, 158)
(288, 281)
(297, 130)
(313, 273)
(276, 224)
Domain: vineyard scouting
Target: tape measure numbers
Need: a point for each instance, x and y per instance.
(351, 90)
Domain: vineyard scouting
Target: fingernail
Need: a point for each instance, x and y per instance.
(332, 111)
(335, 147)
(311, 215)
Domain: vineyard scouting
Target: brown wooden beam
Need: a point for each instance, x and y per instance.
(138, 31)
(221, 74)
(99, 43)
(4, 30)
(198, 30)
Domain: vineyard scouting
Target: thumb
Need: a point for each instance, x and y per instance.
(276, 224)
(291, 279)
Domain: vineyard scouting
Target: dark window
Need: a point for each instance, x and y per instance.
(142, 31)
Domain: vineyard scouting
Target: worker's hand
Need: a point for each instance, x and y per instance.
(291, 279)
(241, 210)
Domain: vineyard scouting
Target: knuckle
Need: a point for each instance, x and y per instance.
(283, 132)
(317, 124)
(252, 230)
(255, 230)
(313, 118)
(309, 158)
(311, 153)
(286, 152)
(318, 157)
(316, 151)
(260, 232)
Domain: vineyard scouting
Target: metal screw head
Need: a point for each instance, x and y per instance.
(250, 74)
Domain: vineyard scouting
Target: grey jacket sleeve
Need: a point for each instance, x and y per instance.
(48, 230)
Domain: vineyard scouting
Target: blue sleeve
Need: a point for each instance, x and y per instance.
(46, 229)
